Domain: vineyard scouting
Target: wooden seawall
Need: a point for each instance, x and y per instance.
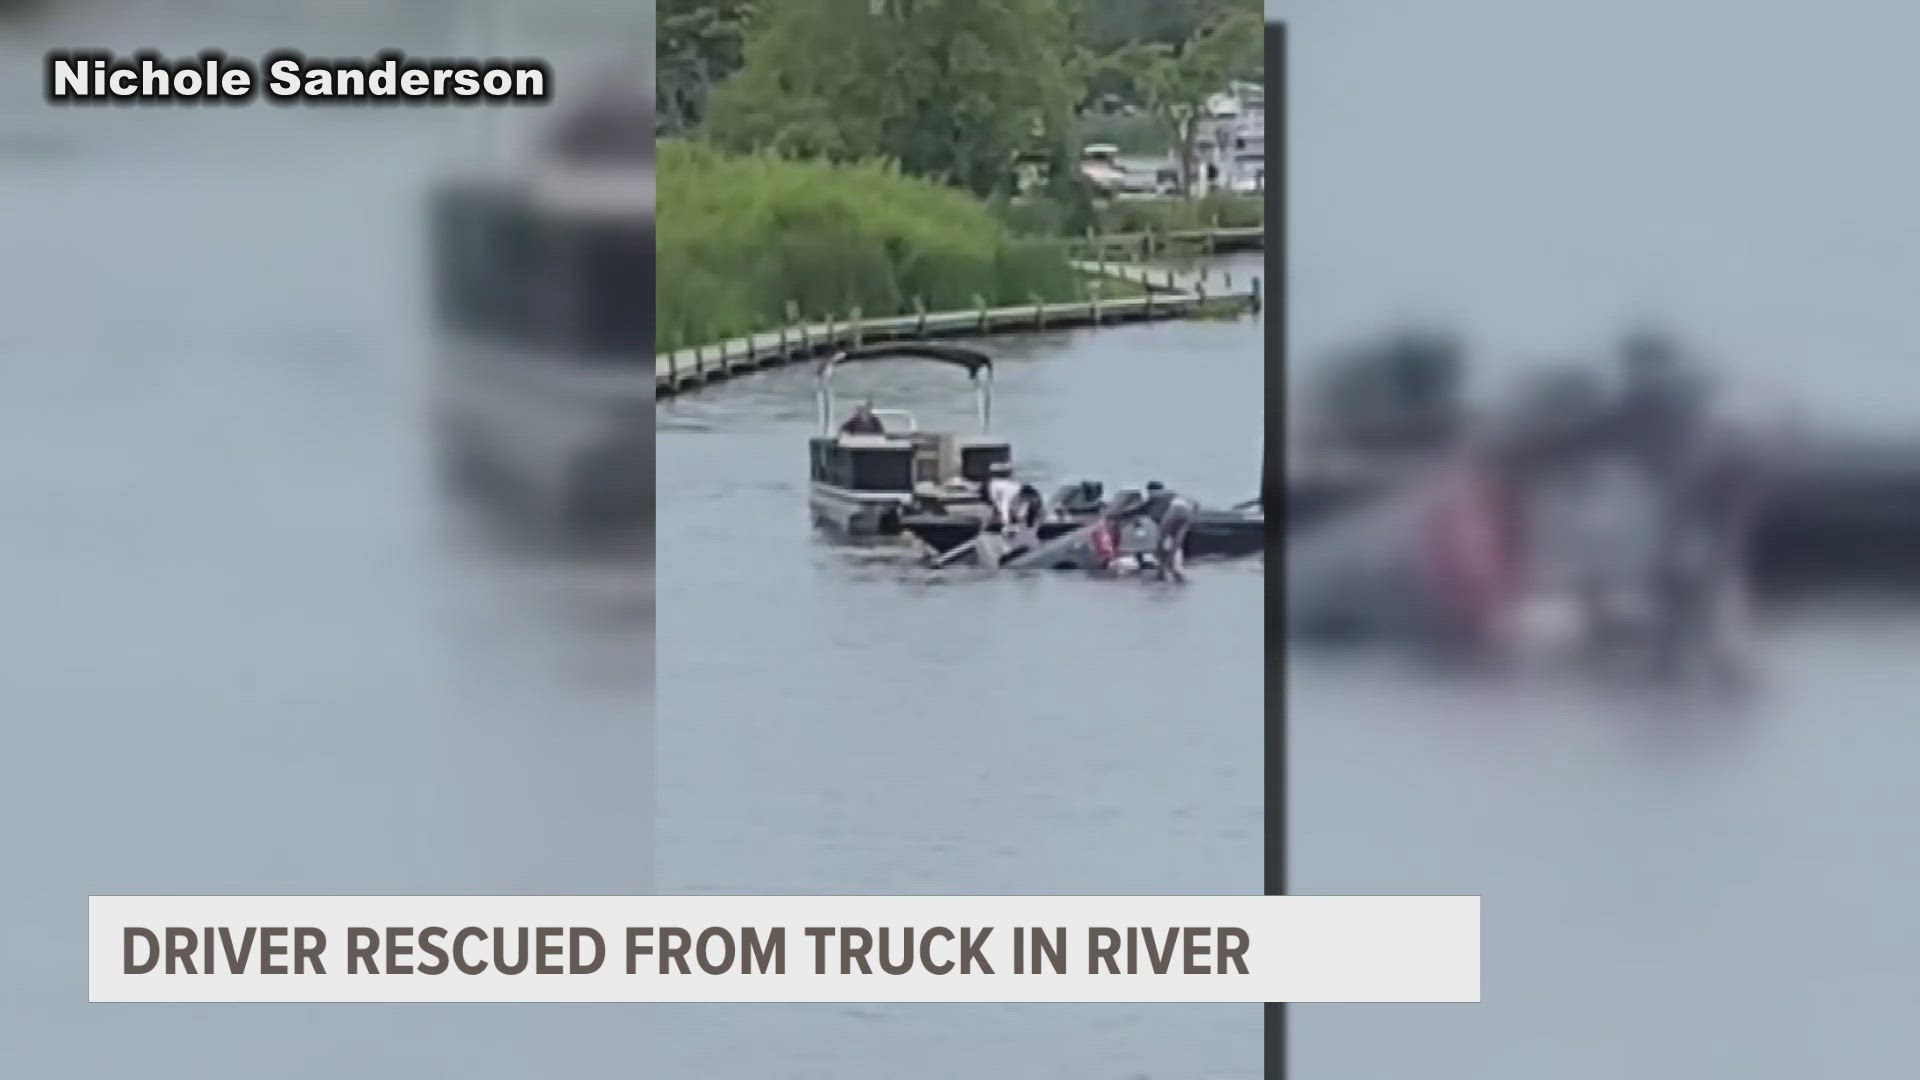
(1147, 246)
(1166, 294)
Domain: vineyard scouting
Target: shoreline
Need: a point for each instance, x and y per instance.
(1161, 293)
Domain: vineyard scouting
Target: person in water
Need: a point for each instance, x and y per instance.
(863, 422)
(1103, 535)
(1485, 556)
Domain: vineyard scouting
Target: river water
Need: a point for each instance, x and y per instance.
(246, 649)
(1671, 890)
(834, 721)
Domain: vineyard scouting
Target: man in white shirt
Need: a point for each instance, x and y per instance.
(1000, 491)
(996, 532)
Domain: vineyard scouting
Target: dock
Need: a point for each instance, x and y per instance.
(1164, 293)
(1147, 246)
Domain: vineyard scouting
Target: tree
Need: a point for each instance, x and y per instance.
(1107, 25)
(949, 89)
(698, 44)
(1174, 82)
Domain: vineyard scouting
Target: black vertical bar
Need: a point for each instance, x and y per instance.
(1273, 496)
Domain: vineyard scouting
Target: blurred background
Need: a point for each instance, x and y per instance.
(1675, 883)
(279, 618)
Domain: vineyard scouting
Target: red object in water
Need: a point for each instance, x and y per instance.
(1106, 545)
(1467, 552)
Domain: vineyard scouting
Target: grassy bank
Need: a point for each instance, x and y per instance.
(739, 237)
(1173, 215)
(1042, 217)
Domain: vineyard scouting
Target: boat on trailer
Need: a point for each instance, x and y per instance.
(865, 484)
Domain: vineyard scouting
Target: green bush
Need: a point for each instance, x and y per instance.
(1227, 211)
(739, 236)
(1039, 216)
(1035, 216)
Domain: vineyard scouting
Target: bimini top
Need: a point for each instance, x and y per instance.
(975, 362)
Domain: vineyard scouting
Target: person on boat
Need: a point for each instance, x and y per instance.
(863, 421)
(1172, 517)
(1672, 425)
(1016, 509)
(999, 491)
(1097, 544)
(1027, 508)
(998, 530)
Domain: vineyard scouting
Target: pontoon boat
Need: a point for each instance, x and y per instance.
(863, 484)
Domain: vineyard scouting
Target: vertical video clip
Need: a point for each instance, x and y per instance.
(960, 545)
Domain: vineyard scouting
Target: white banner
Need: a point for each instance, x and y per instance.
(785, 948)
